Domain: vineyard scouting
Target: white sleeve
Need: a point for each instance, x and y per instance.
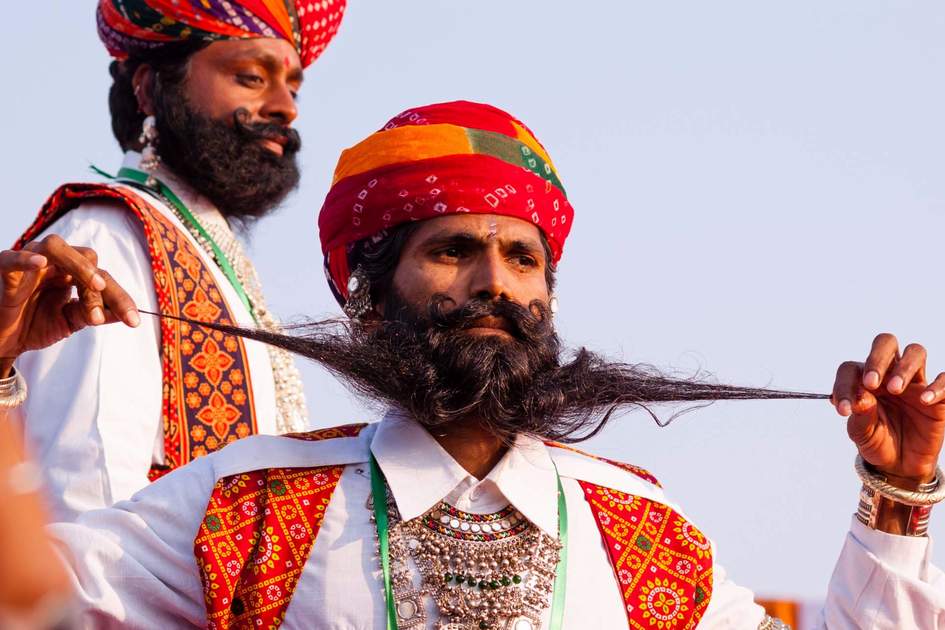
(731, 607)
(883, 581)
(880, 582)
(93, 417)
(133, 564)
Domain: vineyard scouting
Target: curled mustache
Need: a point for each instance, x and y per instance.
(526, 324)
(287, 136)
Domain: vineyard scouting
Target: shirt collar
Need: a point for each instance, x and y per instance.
(421, 473)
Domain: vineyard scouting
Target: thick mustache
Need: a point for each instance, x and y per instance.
(521, 321)
(288, 137)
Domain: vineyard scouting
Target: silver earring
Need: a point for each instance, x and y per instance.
(358, 303)
(150, 159)
(553, 305)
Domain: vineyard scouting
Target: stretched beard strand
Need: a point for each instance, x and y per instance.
(431, 368)
(223, 160)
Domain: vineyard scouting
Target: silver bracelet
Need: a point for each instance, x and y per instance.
(13, 391)
(927, 495)
(772, 623)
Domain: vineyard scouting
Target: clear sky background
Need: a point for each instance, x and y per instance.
(757, 186)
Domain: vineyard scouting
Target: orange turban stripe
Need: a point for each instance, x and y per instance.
(129, 27)
(449, 158)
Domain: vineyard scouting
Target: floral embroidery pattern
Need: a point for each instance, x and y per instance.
(207, 396)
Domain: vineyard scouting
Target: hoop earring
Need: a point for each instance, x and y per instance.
(358, 303)
(150, 159)
(553, 305)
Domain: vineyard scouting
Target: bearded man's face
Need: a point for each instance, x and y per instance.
(226, 128)
(472, 256)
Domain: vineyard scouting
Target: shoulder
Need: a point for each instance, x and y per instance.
(642, 473)
(589, 469)
(94, 220)
(333, 446)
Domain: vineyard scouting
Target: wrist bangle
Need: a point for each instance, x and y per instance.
(879, 497)
(13, 391)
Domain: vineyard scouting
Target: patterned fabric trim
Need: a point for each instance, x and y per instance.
(207, 392)
(255, 539)
(343, 431)
(630, 468)
(663, 564)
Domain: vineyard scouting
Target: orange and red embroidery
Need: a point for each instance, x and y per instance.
(207, 393)
(257, 535)
(255, 539)
(663, 564)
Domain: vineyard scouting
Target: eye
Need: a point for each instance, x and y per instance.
(451, 252)
(250, 80)
(524, 260)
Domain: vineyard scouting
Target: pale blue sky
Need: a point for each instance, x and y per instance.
(757, 189)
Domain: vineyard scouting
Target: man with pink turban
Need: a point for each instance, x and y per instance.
(202, 104)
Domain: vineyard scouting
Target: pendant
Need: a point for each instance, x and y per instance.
(521, 623)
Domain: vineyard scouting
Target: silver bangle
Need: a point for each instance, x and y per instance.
(772, 623)
(13, 391)
(927, 495)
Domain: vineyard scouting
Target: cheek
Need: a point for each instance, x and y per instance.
(535, 288)
(219, 97)
(418, 282)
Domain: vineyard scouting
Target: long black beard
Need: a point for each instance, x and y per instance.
(223, 160)
(430, 367)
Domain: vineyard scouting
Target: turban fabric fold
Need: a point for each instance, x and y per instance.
(129, 27)
(431, 161)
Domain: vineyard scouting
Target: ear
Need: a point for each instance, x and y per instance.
(143, 83)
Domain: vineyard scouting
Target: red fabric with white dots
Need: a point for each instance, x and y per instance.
(499, 171)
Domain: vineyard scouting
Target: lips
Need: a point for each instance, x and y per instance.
(491, 323)
(276, 145)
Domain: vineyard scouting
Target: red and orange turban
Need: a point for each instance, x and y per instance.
(436, 160)
(130, 27)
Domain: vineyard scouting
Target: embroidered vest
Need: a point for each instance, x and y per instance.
(207, 392)
(260, 527)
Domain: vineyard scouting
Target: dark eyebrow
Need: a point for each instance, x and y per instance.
(468, 239)
(450, 237)
(526, 246)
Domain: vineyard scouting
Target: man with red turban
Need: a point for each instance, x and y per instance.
(464, 508)
(202, 104)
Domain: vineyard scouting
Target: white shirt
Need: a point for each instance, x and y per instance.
(95, 424)
(135, 567)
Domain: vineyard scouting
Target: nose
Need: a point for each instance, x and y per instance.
(279, 106)
(490, 279)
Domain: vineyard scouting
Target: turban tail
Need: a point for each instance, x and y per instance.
(129, 27)
(437, 160)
